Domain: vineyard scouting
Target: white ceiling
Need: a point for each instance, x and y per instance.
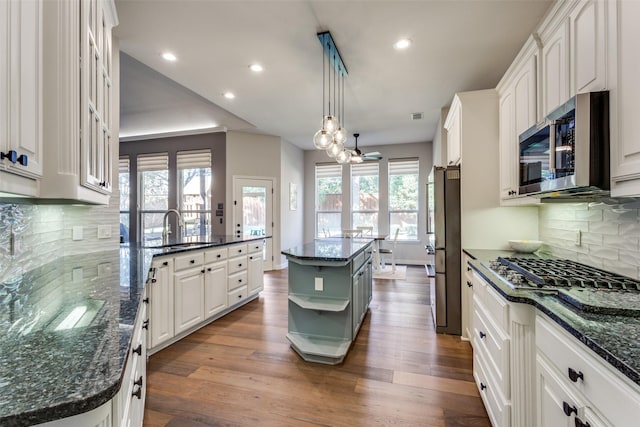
(457, 46)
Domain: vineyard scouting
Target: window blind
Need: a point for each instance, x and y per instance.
(403, 166)
(153, 162)
(196, 159)
(123, 165)
(365, 169)
(328, 171)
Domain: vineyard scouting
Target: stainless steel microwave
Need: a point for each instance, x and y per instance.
(568, 153)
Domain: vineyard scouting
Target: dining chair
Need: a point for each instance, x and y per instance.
(350, 232)
(366, 230)
(384, 251)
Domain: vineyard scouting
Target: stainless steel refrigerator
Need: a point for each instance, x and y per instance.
(443, 226)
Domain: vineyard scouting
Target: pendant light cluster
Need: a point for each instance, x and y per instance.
(332, 136)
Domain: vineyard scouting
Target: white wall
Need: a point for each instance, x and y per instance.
(406, 252)
(292, 162)
(251, 155)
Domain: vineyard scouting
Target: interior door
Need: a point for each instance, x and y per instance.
(253, 212)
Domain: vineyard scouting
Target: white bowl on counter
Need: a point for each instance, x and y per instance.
(525, 246)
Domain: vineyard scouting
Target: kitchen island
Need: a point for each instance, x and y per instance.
(329, 293)
(72, 330)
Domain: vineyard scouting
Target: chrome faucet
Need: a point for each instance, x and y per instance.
(166, 229)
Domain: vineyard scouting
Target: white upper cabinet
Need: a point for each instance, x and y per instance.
(453, 126)
(588, 54)
(21, 50)
(555, 67)
(624, 95)
(78, 103)
(517, 113)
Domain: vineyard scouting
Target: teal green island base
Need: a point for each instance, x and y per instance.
(329, 293)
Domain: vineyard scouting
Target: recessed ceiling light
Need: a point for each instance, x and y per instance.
(229, 95)
(256, 68)
(169, 56)
(402, 44)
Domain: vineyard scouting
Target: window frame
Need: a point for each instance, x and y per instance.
(413, 163)
(337, 173)
(354, 212)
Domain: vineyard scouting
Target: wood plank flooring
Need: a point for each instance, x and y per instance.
(240, 370)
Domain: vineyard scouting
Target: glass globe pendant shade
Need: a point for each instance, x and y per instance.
(340, 135)
(343, 157)
(334, 149)
(330, 124)
(322, 140)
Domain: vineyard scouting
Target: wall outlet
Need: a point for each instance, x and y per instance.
(578, 241)
(104, 231)
(319, 284)
(77, 274)
(77, 232)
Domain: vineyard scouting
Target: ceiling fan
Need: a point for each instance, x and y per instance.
(358, 157)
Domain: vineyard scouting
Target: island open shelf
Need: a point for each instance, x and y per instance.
(329, 293)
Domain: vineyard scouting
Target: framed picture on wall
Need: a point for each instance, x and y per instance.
(293, 197)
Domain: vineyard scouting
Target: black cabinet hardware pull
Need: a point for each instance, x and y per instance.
(482, 386)
(482, 334)
(138, 350)
(209, 269)
(165, 263)
(468, 268)
(580, 423)
(469, 284)
(137, 393)
(568, 409)
(138, 381)
(146, 300)
(239, 280)
(239, 296)
(573, 375)
(218, 255)
(145, 324)
(23, 159)
(11, 155)
(202, 271)
(193, 261)
(239, 251)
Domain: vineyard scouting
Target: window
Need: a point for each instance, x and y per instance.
(194, 191)
(153, 195)
(328, 200)
(403, 198)
(125, 192)
(365, 195)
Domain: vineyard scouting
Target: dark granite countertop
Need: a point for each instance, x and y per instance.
(615, 338)
(66, 329)
(332, 249)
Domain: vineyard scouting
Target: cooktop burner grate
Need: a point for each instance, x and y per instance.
(559, 273)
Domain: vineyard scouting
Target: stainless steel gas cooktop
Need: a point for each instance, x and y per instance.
(586, 288)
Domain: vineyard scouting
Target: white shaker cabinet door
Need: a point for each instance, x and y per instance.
(588, 47)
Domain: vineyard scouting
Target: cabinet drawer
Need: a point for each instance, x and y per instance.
(237, 295)
(498, 409)
(189, 260)
(357, 262)
(237, 264)
(214, 255)
(497, 308)
(494, 345)
(255, 246)
(236, 250)
(237, 279)
(604, 387)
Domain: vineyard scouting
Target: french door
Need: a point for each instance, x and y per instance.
(253, 212)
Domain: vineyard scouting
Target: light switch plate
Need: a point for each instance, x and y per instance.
(104, 231)
(319, 284)
(77, 232)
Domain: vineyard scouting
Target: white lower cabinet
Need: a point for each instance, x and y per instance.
(504, 356)
(467, 299)
(569, 372)
(188, 298)
(189, 289)
(215, 295)
(161, 307)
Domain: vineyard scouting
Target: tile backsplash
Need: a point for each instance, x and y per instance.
(42, 233)
(609, 234)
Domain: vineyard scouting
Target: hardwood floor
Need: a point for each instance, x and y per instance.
(240, 370)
